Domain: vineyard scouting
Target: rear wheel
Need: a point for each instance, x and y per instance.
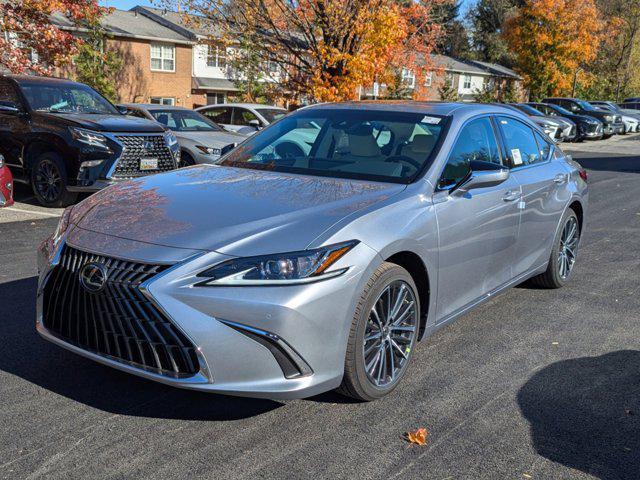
(49, 181)
(563, 254)
(383, 334)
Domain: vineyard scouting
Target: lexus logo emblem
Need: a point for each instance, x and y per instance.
(93, 277)
(148, 146)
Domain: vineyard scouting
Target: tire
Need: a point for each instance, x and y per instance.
(357, 383)
(49, 181)
(606, 137)
(553, 277)
(186, 160)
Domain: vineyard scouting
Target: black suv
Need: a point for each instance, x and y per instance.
(63, 137)
(612, 122)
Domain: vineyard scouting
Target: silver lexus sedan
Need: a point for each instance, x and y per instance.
(316, 254)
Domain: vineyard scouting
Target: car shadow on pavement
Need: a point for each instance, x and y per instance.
(584, 413)
(629, 164)
(24, 354)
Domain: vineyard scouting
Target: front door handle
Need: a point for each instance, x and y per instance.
(511, 196)
(560, 178)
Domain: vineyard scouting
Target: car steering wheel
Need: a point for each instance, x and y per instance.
(405, 159)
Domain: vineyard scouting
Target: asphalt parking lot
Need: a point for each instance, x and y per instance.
(534, 384)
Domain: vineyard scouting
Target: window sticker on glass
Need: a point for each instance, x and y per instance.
(517, 158)
(431, 120)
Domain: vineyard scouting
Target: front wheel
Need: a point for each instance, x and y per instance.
(383, 334)
(49, 181)
(563, 253)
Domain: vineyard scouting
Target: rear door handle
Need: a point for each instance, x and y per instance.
(560, 178)
(511, 196)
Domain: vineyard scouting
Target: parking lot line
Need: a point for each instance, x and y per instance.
(33, 212)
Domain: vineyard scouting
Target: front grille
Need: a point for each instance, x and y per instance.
(119, 321)
(136, 147)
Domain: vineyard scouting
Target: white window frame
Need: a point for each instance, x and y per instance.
(168, 101)
(408, 77)
(215, 53)
(428, 79)
(165, 48)
(467, 82)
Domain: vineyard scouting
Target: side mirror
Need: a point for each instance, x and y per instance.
(9, 108)
(255, 123)
(122, 109)
(482, 179)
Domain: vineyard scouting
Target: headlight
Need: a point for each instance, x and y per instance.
(609, 118)
(89, 137)
(280, 269)
(1, 160)
(170, 139)
(63, 224)
(209, 150)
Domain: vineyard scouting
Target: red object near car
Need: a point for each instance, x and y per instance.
(6, 185)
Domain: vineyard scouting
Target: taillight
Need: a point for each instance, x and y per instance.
(583, 174)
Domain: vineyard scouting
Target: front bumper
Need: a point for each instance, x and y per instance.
(313, 320)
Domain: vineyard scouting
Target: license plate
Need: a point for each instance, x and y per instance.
(148, 164)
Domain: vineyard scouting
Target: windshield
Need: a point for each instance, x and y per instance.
(360, 144)
(66, 98)
(528, 110)
(560, 110)
(586, 106)
(271, 114)
(184, 120)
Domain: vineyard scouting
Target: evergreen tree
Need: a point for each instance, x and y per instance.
(487, 18)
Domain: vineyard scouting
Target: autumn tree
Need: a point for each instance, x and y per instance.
(551, 39)
(487, 19)
(326, 49)
(29, 42)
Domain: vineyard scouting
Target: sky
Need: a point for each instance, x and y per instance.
(127, 4)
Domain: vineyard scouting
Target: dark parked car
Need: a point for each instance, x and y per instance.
(630, 105)
(63, 137)
(589, 127)
(612, 123)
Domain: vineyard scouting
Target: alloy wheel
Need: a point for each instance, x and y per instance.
(568, 247)
(389, 334)
(48, 181)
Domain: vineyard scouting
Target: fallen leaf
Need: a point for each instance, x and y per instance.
(526, 475)
(419, 436)
(555, 343)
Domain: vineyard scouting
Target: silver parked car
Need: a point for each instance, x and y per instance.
(200, 139)
(630, 118)
(559, 129)
(247, 118)
(286, 272)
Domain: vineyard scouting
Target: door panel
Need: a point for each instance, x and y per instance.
(477, 241)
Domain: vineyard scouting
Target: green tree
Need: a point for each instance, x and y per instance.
(251, 73)
(96, 65)
(447, 92)
(487, 19)
(455, 40)
(398, 90)
(487, 94)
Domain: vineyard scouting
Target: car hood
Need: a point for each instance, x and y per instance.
(105, 123)
(210, 139)
(233, 211)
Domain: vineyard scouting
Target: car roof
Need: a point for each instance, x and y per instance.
(432, 108)
(41, 80)
(152, 106)
(256, 106)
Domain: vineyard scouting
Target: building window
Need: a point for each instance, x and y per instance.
(466, 82)
(216, 56)
(216, 98)
(428, 79)
(162, 101)
(408, 77)
(163, 57)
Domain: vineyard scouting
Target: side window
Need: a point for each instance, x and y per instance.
(242, 116)
(8, 94)
(544, 147)
(520, 142)
(219, 115)
(476, 142)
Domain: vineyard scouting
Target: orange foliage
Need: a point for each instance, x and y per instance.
(551, 40)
